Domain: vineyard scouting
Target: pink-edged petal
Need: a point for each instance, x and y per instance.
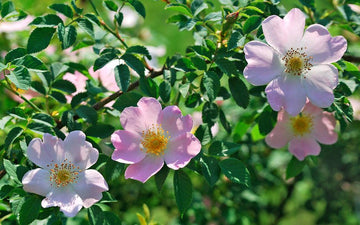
(37, 181)
(69, 202)
(89, 187)
(282, 34)
(127, 147)
(172, 121)
(79, 151)
(324, 129)
(263, 63)
(303, 146)
(286, 91)
(44, 152)
(144, 169)
(321, 46)
(311, 109)
(319, 84)
(140, 118)
(181, 150)
(281, 134)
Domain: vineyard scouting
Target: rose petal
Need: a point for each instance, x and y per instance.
(311, 109)
(69, 202)
(140, 118)
(263, 63)
(281, 134)
(319, 84)
(37, 181)
(172, 121)
(144, 169)
(78, 151)
(45, 152)
(324, 128)
(282, 34)
(181, 150)
(89, 187)
(127, 147)
(321, 46)
(286, 91)
(303, 146)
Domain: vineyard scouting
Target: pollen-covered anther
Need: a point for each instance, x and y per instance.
(301, 124)
(63, 174)
(297, 62)
(154, 140)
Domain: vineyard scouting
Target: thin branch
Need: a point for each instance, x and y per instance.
(351, 58)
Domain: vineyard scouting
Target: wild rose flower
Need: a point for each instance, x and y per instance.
(304, 131)
(151, 136)
(79, 80)
(295, 64)
(64, 177)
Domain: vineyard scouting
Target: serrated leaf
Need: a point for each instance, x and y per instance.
(87, 26)
(193, 100)
(203, 133)
(197, 6)
(209, 113)
(294, 168)
(26, 216)
(11, 170)
(211, 84)
(165, 90)
(49, 20)
(236, 171)
(210, 169)
(60, 97)
(57, 69)
(100, 130)
(15, 54)
(139, 7)
(64, 85)
(181, 8)
(78, 98)
(149, 87)
(236, 40)
(113, 170)
(161, 176)
(266, 120)
(21, 77)
(88, 113)
(224, 122)
(127, 99)
(111, 5)
(222, 148)
(134, 63)
(40, 128)
(7, 9)
(40, 39)
(39, 87)
(239, 92)
(67, 35)
(183, 190)
(103, 60)
(122, 77)
(139, 49)
(77, 9)
(31, 63)
(18, 113)
(44, 118)
(119, 16)
(63, 9)
(251, 24)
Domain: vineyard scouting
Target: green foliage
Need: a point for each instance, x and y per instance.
(183, 190)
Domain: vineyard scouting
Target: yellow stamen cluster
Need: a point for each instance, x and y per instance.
(297, 62)
(63, 174)
(154, 140)
(301, 124)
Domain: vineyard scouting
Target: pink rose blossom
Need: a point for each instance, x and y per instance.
(304, 131)
(64, 177)
(151, 136)
(79, 80)
(295, 64)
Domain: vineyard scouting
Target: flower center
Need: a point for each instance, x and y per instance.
(154, 140)
(296, 61)
(301, 124)
(64, 173)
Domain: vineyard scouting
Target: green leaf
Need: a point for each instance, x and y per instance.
(181, 8)
(31, 62)
(165, 91)
(11, 170)
(87, 26)
(3, 121)
(40, 128)
(161, 176)
(67, 35)
(122, 77)
(78, 98)
(7, 9)
(49, 20)
(251, 24)
(266, 120)
(39, 87)
(103, 60)
(29, 211)
(40, 39)
(67, 119)
(224, 122)
(111, 5)
(197, 6)
(15, 54)
(21, 77)
(193, 100)
(119, 18)
(63, 9)
(95, 215)
(236, 40)
(294, 168)
(183, 190)
(127, 99)
(210, 169)
(44, 118)
(139, 49)
(222, 148)
(113, 170)
(88, 113)
(64, 85)
(236, 171)
(77, 9)
(308, 3)
(57, 69)
(60, 97)
(226, 66)
(134, 63)
(138, 6)
(210, 112)
(18, 113)
(239, 92)
(149, 87)
(211, 84)
(100, 130)
(203, 133)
